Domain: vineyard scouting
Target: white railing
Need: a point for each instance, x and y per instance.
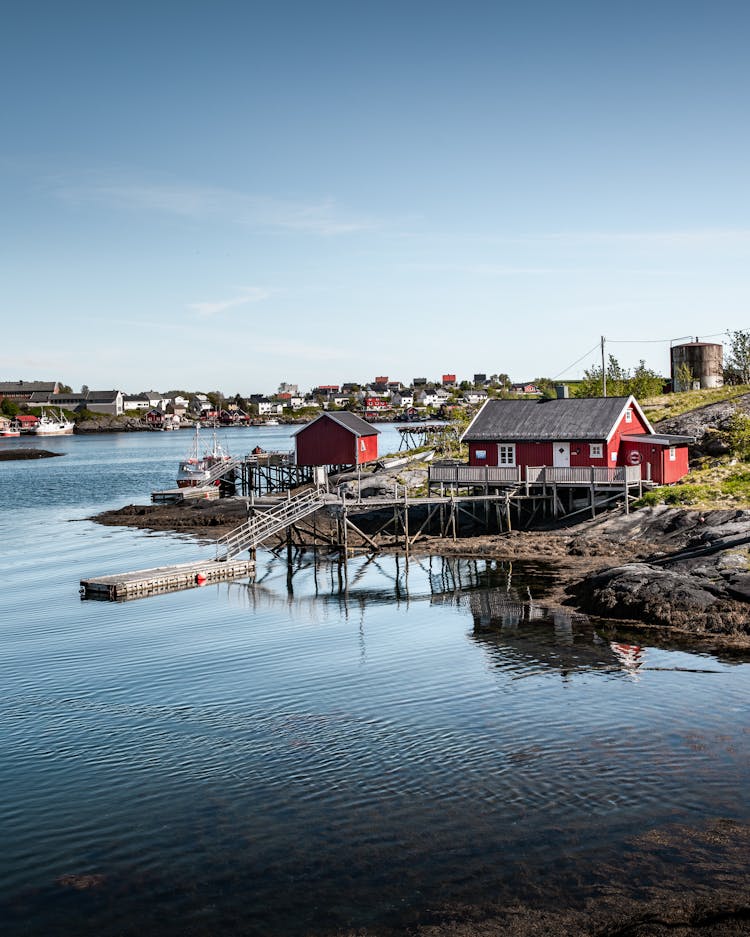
(534, 475)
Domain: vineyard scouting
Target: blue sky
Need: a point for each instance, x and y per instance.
(228, 195)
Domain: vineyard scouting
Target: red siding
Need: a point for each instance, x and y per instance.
(367, 449)
(623, 428)
(326, 442)
(673, 471)
(654, 460)
(534, 453)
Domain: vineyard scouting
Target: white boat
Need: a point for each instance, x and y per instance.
(10, 428)
(53, 425)
(196, 468)
(271, 423)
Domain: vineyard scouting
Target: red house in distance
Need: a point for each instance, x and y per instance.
(336, 439)
(576, 432)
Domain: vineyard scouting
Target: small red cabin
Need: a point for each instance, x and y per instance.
(340, 438)
(576, 432)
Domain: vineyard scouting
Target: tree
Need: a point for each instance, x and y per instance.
(504, 381)
(683, 377)
(738, 434)
(546, 387)
(737, 361)
(8, 407)
(65, 389)
(645, 382)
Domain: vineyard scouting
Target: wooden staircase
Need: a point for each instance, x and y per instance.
(251, 534)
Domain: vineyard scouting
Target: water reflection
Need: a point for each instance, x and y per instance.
(510, 622)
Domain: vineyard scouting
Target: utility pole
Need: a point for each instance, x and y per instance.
(604, 372)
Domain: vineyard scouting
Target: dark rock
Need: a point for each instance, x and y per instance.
(18, 453)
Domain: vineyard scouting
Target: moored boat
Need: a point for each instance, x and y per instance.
(196, 468)
(53, 425)
(10, 428)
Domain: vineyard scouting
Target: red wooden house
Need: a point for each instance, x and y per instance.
(339, 438)
(576, 432)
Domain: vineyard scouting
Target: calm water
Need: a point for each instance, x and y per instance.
(312, 751)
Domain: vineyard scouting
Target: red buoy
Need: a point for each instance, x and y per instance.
(200, 579)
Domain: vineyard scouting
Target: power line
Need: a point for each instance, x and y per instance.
(565, 370)
(656, 341)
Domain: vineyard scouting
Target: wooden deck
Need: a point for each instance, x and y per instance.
(144, 582)
(513, 476)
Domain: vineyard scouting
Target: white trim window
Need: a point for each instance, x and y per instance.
(672, 454)
(628, 416)
(506, 453)
(596, 450)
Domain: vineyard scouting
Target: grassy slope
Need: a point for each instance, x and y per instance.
(668, 405)
(713, 482)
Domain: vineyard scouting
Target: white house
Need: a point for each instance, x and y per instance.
(475, 396)
(402, 399)
(431, 397)
(268, 407)
(136, 402)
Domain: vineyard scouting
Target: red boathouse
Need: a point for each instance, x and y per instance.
(575, 432)
(339, 438)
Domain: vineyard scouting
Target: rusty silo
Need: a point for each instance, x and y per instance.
(706, 363)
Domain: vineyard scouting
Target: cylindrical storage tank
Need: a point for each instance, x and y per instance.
(706, 363)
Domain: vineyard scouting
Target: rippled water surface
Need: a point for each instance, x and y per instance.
(321, 748)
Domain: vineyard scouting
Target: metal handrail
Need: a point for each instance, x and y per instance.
(253, 532)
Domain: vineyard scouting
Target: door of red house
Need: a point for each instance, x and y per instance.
(561, 454)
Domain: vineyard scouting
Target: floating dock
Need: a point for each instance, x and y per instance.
(145, 582)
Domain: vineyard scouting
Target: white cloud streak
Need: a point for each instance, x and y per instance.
(249, 295)
(210, 203)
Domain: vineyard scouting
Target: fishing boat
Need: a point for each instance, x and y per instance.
(51, 425)
(196, 468)
(271, 423)
(10, 428)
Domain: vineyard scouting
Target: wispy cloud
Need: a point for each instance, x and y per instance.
(322, 217)
(252, 294)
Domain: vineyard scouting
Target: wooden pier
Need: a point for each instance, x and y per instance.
(145, 582)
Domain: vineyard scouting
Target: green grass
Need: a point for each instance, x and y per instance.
(668, 405)
(716, 485)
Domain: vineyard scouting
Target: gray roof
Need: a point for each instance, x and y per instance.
(102, 396)
(532, 420)
(27, 387)
(355, 424)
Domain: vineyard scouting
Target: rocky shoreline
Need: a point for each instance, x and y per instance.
(677, 571)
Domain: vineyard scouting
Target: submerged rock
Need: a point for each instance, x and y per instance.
(9, 455)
